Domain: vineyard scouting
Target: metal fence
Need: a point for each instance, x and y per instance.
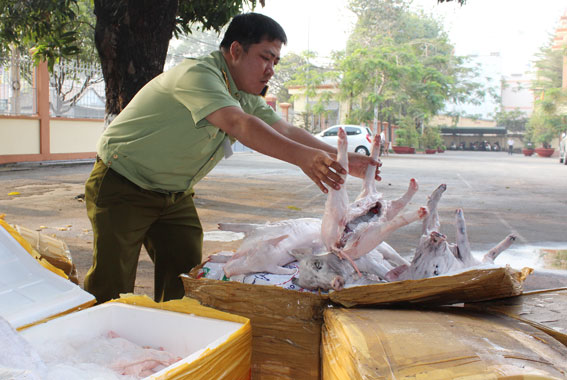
(76, 90)
(17, 86)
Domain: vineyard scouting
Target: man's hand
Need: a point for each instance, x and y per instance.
(323, 170)
(357, 164)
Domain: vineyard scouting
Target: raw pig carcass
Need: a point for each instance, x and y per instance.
(327, 271)
(267, 247)
(434, 255)
(351, 231)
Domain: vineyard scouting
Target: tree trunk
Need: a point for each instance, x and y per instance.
(132, 38)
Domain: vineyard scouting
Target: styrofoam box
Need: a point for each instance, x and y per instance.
(30, 293)
(184, 335)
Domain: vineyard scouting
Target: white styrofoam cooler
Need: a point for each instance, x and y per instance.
(31, 294)
(183, 335)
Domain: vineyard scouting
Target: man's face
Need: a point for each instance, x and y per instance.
(252, 69)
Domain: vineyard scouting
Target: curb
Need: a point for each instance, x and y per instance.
(37, 164)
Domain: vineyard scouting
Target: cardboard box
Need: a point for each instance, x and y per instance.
(286, 323)
(443, 344)
(44, 306)
(543, 309)
(51, 249)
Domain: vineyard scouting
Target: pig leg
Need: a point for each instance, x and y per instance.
(281, 270)
(390, 254)
(431, 223)
(463, 245)
(374, 263)
(246, 264)
(500, 247)
(336, 206)
(397, 274)
(220, 257)
(246, 228)
(369, 182)
(377, 232)
(399, 204)
(236, 266)
(380, 270)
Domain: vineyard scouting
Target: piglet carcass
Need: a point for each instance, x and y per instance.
(326, 271)
(267, 247)
(353, 230)
(434, 255)
(356, 232)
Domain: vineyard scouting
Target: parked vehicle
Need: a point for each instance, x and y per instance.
(359, 137)
(563, 150)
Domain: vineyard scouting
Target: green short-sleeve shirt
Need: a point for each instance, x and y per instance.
(161, 141)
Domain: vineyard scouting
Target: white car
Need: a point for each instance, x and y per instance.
(359, 138)
(563, 150)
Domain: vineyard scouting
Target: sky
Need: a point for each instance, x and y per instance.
(514, 28)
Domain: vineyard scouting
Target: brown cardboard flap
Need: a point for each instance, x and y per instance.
(545, 310)
(470, 286)
(286, 324)
(438, 344)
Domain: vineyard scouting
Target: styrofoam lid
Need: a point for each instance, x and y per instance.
(30, 293)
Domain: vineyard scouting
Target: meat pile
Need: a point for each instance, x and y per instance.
(347, 246)
(107, 356)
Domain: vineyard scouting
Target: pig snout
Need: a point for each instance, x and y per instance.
(437, 238)
(338, 283)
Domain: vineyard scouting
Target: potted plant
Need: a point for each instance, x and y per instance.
(431, 140)
(545, 122)
(542, 129)
(528, 148)
(545, 151)
(406, 137)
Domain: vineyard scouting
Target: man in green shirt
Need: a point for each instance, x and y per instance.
(171, 134)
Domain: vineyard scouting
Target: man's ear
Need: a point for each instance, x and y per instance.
(236, 50)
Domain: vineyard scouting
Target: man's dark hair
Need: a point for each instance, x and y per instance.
(252, 28)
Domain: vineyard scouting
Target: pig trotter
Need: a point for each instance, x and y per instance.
(499, 248)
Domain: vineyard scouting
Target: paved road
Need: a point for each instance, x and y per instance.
(499, 193)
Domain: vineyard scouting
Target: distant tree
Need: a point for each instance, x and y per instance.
(196, 44)
(431, 138)
(547, 122)
(399, 64)
(514, 120)
(462, 2)
(407, 134)
(284, 73)
(71, 75)
(310, 78)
